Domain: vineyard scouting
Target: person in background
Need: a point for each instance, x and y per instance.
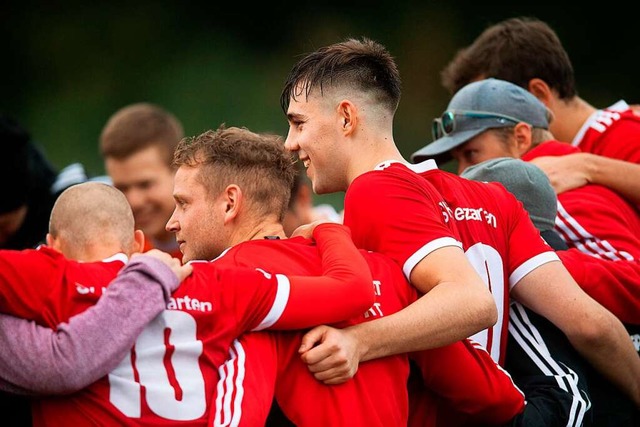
(31, 186)
(495, 118)
(137, 145)
(527, 52)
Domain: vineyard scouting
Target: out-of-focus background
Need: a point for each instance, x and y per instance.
(67, 66)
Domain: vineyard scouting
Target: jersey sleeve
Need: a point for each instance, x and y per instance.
(399, 214)
(38, 360)
(344, 290)
(527, 249)
(26, 278)
(465, 376)
(614, 284)
(621, 140)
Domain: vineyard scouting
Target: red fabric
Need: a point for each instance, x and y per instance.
(304, 400)
(461, 385)
(593, 218)
(615, 285)
(614, 134)
(172, 371)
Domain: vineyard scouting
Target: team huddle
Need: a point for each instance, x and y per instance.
(504, 295)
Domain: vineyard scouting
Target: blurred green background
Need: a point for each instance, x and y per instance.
(67, 66)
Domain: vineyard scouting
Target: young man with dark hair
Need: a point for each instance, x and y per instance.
(340, 101)
(527, 52)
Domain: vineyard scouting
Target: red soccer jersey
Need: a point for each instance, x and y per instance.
(613, 132)
(593, 218)
(393, 211)
(614, 284)
(460, 385)
(304, 400)
(499, 240)
(171, 372)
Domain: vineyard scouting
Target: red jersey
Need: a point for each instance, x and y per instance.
(593, 218)
(303, 399)
(171, 372)
(393, 211)
(613, 132)
(474, 391)
(615, 285)
(499, 240)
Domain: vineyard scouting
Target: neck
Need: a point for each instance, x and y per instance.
(569, 117)
(266, 227)
(372, 154)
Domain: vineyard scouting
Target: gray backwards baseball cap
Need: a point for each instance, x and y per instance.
(478, 106)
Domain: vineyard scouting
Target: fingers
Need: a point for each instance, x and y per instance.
(312, 338)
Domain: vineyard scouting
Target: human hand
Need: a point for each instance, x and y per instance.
(180, 270)
(565, 172)
(306, 230)
(330, 354)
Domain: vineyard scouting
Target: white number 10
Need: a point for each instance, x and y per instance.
(177, 395)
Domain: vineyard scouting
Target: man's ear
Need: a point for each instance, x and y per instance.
(52, 242)
(523, 136)
(348, 114)
(138, 241)
(232, 200)
(541, 90)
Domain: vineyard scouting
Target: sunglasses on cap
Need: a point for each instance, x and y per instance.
(446, 123)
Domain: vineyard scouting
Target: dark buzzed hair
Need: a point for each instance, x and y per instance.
(364, 65)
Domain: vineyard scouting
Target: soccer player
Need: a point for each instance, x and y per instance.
(494, 118)
(203, 316)
(340, 101)
(528, 53)
(231, 190)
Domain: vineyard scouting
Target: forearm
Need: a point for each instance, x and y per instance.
(37, 360)
(618, 175)
(438, 318)
(613, 355)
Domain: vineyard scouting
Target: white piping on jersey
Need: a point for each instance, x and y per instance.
(414, 259)
(424, 166)
(229, 404)
(282, 297)
(530, 265)
(575, 235)
(533, 344)
(595, 120)
(383, 165)
(117, 257)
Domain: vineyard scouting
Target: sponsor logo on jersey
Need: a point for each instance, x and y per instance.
(186, 303)
(475, 214)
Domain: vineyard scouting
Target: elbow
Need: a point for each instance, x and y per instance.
(487, 311)
(593, 331)
(365, 294)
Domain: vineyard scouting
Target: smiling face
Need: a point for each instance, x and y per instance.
(147, 182)
(315, 134)
(198, 218)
